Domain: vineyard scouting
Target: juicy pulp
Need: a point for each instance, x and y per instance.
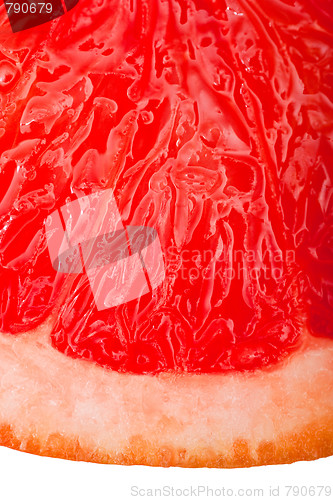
(211, 122)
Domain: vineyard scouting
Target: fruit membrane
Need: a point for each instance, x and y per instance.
(210, 121)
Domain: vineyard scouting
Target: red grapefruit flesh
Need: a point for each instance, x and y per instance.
(211, 123)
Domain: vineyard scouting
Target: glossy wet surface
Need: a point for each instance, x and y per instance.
(211, 122)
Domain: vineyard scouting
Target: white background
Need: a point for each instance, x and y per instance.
(24, 476)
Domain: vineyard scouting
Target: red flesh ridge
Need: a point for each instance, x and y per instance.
(210, 121)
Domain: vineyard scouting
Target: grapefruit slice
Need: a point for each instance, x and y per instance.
(205, 126)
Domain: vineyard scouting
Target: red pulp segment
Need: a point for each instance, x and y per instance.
(211, 123)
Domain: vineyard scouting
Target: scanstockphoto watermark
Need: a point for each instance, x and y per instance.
(27, 14)
(87, 236)
(206, 491)
(228, 263)
(202, 491)
(122, 263)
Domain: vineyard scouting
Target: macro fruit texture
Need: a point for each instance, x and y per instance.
(211, 122)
